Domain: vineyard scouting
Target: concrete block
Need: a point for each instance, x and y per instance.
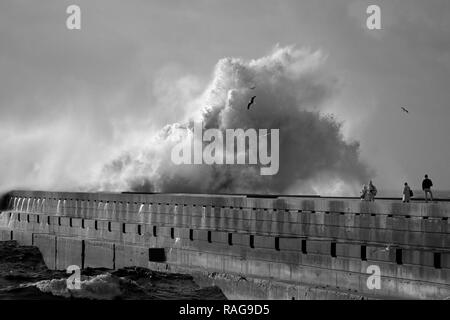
(215, 262)
(240, 239)
(424, 258)
(102, 225)
(55, 221)
(399, 236)
(348, 250)
(314, 276)
(148, 229)
(380, 253)
(288, 257)
(116, 226)
(434, 240)
(433, 225)
(131, 256)
(445, 260)
(220, 237)
(132, 238)
(317, 260)
(76, 223)
(113, 236)
(198, 259)
(130, 228)
(318, 247)
(47, 246)
(264, 242)
(65, 221)
(293, 244)
(382, 235)
(164, 231)
(203, 235)
(32, 218)
(258, 268)
(99, 254)
(233, 265)
(184, 233)
(5, 235)
(23, 238)
(89, 223)
(414, 224)
(68, 252)
(288, 228)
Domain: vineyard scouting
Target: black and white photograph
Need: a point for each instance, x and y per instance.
(224, 154)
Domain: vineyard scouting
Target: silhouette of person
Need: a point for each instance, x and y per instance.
(426, 187)
(407, 193)
(365, 193)
(372, 191)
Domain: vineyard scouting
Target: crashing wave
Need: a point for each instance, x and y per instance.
(103, 286)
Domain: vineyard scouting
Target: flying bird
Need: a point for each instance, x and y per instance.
(405, 110)
(252, 100)
(253, 87)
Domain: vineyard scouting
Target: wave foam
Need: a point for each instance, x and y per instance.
(103, 286)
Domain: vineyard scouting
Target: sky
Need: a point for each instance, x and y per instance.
(73, 100)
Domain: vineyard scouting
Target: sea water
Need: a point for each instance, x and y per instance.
(23, 275)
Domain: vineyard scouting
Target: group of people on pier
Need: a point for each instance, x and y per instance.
(369, 191)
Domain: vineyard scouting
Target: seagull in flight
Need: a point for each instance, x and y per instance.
(405, 110)
(252, 100)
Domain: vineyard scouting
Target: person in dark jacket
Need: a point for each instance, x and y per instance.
(426, 187)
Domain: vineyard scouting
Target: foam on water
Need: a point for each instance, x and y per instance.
(100, 287)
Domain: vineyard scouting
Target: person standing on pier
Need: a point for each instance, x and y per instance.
(372, 191)
(407, 193)
(365, 193)
(426, 187)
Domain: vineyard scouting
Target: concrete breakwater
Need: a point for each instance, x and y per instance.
(251, 247)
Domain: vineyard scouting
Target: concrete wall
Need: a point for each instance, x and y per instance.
(297, 243)
(123, 204)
